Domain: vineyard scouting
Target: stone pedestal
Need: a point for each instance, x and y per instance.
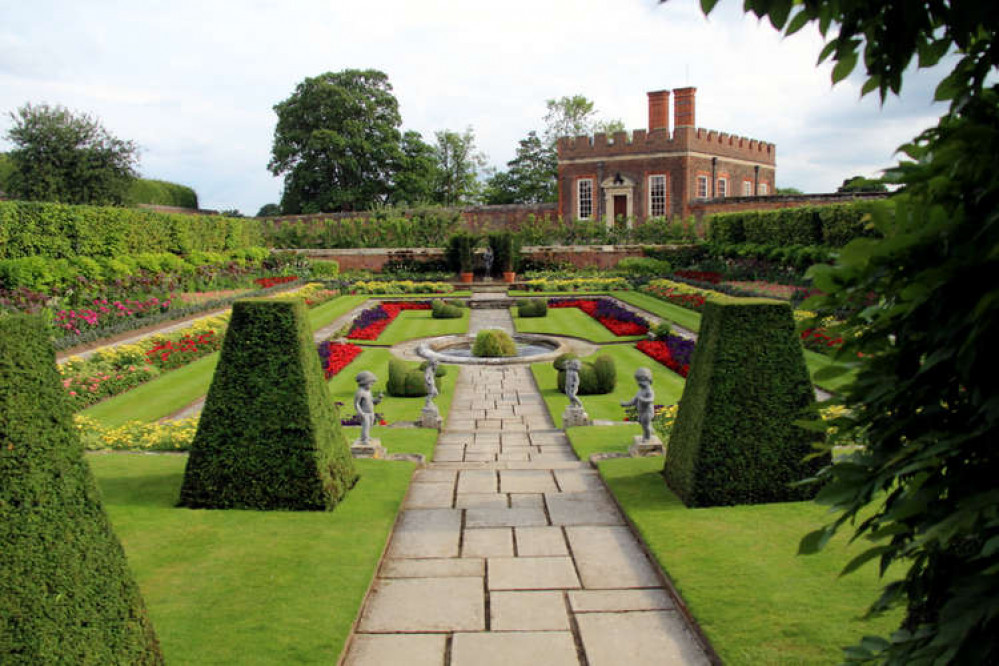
(373, 449)
(430, 417)
(575, 416)
(646, 447)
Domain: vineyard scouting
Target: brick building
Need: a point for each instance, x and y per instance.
(654, 173)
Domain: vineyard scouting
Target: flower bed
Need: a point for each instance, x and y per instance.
(137, 436)
(711, 277)
(170, 354)
(771, 289)
(616, 319)
(268, 282)
(104, 312)
(578, 284)
(677, 293)
(371, 322)
(335, 356)
(400, 287)
(674, 352)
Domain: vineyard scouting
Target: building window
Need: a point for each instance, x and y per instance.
(764, 189)
(584, 198)
(723, 187)
(702, 187)
(747, 188)
(657, 196)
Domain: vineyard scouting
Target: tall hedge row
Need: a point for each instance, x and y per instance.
(734, 440)
(66, 593)
(834, 225)
(162, 193)
(63, 231)
(269, 435)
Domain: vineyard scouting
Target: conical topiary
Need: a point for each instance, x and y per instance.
(734, 440)
(66, 593)
(269, 436)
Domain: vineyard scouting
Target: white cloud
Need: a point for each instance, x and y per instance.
(194, 82)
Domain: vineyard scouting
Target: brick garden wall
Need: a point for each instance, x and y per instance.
(701, 207)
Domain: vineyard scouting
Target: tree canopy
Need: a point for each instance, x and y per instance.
(67, 157)
(919, 313)
(862, 184)
(337, 142)
(458, 166)
(530, 176)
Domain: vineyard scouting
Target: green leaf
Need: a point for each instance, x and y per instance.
(815, 541)
(826, 51)
(779, 10)
(949, 88)
(870, 85)
(844, 66)
(708, 5)
(799, 21)
(865, 557)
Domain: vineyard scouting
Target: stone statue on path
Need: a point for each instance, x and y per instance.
(364, 403)
(487, 258)
(644, 402)
(572, 368)
(430, 382)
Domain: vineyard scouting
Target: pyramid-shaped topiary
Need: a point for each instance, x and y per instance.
(66, 593)
(734, 440)
(269, 436)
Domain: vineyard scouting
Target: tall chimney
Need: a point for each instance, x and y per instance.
(683, 107)
(659, 110)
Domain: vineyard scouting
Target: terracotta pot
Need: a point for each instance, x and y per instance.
(467, 277)
(509, 276)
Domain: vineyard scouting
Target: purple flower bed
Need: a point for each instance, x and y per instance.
(681, 348)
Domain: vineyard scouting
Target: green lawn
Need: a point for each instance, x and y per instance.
(587, 440)
(667, 385)
(248, 587)
(174, 390)
(738, 571)
(568, 321)
(395, 409)
(519, 293)
(414, 324)
(680, 316)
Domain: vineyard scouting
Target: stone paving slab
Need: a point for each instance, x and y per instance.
(590, 508)
(427, 533)
(550, 648)
(540, 541)
(595, 601)
(610, 558)
(415, 605)
(487, 542)
(435, 567)
(527, 481)
(652, 638)
(497, 517)
(476, 481)
(429, 496)
(409, 649)
(528, 611)
(481, 500)
(531, 573)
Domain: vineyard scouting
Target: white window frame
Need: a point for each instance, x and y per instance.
(589, 199)
(658, 197)
(702, 187)
(764, 189)
(722, 187)
(747, 188)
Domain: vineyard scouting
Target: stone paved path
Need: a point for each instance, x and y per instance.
(510, 550)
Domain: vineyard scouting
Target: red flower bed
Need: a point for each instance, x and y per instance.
(816, 339)
(335, 356)
(267, 283)
(172, 354)
(700, 276)
(370, 323)
(615, 319)
(661, 352)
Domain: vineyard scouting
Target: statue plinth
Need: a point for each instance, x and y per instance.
(653, 446)
(371, 449)
(430, 417)
(575, 416)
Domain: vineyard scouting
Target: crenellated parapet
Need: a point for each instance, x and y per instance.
(683, 139)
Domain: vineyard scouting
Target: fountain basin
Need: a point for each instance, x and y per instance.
(531, 348)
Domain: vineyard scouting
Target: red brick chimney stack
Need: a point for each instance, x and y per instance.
(659, 110)
(683, 107)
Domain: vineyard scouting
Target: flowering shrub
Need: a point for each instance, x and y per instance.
(104, 381)
(137, 436)
(664, 420)
(677, 293)
(335, 356)
(268, 282)
(400, 287)
(618, 320)
(74, 321)
(314, 293)
(819, 340)
(578, 284)
(371, 322)
(712, 277)
(674, 352)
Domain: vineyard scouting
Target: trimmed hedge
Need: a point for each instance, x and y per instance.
(596, 377)
(834, 225)
(67, 594)
(734, 440)
(441, 310)
(161, 193)
(406, 380)
(63, 231)
(493, 343)
(537, 307)
(269, 436)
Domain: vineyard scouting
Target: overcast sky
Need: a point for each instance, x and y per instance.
(194, 83)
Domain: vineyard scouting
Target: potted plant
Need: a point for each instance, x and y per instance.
(505, 251)
(460, 254)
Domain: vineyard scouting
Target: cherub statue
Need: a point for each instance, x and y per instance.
(430, 382)
(364, 403)
(572, 368)
(644, 401)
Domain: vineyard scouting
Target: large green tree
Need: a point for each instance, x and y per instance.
(337, 142)
(67, 157)
(458, 165)
(575, 116)
(530, 176)
(920, 310)
(414, 178)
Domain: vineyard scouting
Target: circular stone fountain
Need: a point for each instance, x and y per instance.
(531, 348)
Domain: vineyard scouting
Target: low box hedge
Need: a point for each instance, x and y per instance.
(596, 377)
(406, 380)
